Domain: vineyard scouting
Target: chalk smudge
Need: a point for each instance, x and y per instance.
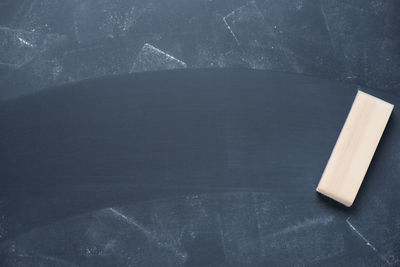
(181, 255)
(307, 223)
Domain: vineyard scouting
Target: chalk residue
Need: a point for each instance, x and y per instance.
(248, 13)
(151, 58)
(305, 224)
(57, 261)
(131, 221)
(362, 237)
(181, 255)
(229, 28)
(366, 240)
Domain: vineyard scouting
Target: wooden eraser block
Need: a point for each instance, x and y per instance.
(355, 148)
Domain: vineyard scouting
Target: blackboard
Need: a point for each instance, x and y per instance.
(190, 168)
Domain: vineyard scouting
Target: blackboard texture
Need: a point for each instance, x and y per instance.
(44, 43)
(190, 168)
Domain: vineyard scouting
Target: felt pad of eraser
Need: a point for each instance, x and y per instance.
(355, 148)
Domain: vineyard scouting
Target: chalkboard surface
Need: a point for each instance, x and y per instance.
(190, 168)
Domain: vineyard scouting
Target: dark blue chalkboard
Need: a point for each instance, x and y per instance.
(190, 168)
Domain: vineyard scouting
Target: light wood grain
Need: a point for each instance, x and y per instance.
(355, 148)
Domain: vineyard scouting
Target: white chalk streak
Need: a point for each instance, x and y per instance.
(130, 221)
(230, 30)
(365, 240)
(151, 47)
(25, 42)
(307, 223)
(149, 235)
(358, 233)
